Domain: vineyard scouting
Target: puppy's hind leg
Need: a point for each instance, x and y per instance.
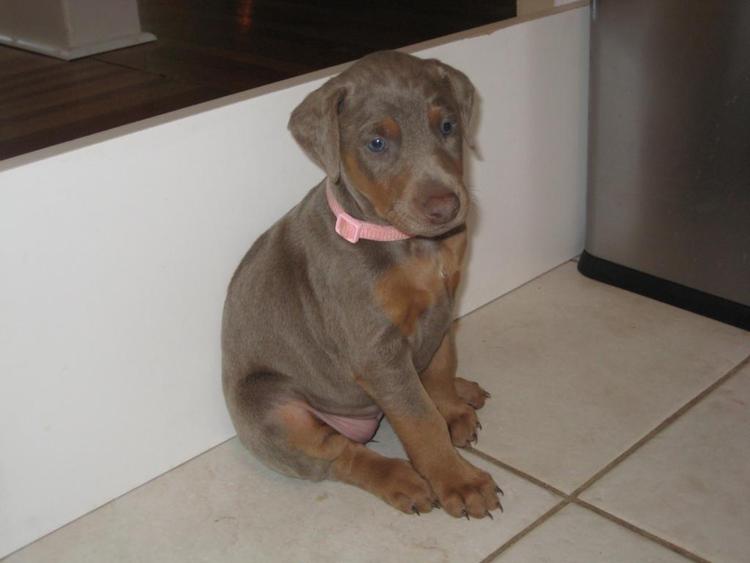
(286, 436)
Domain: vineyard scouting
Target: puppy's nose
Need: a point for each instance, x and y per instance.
(441, 208)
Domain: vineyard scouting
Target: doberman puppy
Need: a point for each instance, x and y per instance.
(342, 311)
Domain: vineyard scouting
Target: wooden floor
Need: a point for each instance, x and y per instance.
(207, 49)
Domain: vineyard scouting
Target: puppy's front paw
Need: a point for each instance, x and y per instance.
(463, 424)
(398, 484)
(463, 491)
(471, 392)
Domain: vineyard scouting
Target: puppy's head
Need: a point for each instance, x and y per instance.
(392, 128)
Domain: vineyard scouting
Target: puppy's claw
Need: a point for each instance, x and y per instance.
(474, 438)
(479, 425)
(499, 490)
(415, 510)
(500, 506)
(464, 513)
(436, 504)
(486, 394)
(490, 515)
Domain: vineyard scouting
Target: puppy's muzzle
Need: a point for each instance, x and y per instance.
(441, 208)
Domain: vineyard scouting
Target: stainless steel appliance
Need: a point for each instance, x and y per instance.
(669, 152)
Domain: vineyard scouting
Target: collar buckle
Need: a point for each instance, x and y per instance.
(348, 228)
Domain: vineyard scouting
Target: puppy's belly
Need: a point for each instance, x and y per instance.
(359, 429)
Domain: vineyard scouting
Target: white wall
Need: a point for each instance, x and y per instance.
(115, 256)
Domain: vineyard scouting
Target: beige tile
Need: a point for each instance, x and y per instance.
(577, 534)
(691, 483)
(224, 506)
(579, 371)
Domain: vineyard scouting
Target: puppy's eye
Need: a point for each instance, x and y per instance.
(377, 144)
(447, 127)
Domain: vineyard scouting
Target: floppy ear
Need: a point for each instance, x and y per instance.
(463, 91)
(315, 126)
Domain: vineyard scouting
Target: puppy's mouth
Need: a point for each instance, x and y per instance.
(430, 217)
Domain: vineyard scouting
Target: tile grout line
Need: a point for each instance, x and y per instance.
(573, 497)
(661, 426)
(526, 531)
(568, 499)
(639, 531)
(518, 472)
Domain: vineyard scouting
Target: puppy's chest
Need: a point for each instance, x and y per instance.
(417, 292)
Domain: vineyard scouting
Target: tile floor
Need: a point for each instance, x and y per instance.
(618, 428)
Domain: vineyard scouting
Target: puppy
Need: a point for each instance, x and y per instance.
(342, 311)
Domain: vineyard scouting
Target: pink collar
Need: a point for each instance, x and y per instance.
(352, 229)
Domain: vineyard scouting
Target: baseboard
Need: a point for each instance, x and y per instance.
(687, 298)
(69, 53)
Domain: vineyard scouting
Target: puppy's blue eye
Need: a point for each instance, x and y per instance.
(447, 127)
(377, 144)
